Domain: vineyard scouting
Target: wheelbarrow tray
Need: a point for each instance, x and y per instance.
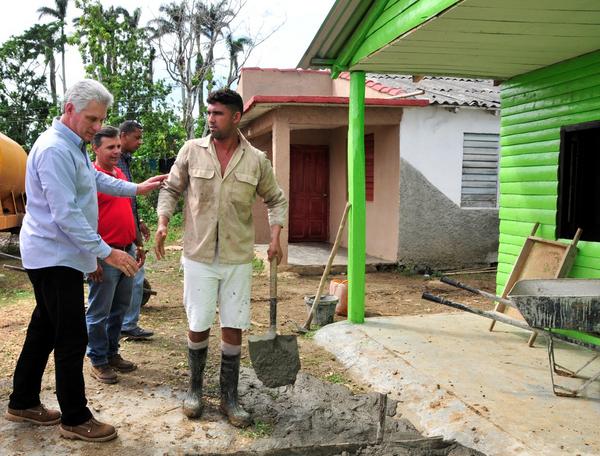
(559, 303)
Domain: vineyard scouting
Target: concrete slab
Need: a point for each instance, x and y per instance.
(304, 255)
(454, 378)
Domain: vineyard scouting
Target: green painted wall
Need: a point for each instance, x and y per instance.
(534, 107)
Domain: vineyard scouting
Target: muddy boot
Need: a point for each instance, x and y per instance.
(192, 404)
(230, 372)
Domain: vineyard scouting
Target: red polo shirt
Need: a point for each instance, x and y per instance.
(115, 215)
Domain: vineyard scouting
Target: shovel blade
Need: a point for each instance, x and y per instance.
(276, 360)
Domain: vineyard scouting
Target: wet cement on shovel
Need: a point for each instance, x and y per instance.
(275, 359)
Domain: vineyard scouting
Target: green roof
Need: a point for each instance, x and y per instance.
(474, 38)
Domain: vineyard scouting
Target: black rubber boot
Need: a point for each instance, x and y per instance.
(192, 404)
(230, 373)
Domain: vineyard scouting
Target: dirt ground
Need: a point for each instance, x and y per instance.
(325, 406)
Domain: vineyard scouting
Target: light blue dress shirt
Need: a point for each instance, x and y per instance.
(60, 227)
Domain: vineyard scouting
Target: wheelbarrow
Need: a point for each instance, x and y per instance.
(564, 309)
(567, 308)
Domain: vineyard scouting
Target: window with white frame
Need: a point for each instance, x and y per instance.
(480, 170)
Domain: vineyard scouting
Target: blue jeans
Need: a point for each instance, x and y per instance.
(132, 316)
(107, 303)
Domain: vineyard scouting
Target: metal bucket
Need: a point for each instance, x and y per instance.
(324, 311)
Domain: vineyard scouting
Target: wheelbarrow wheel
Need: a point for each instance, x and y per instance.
(147, 292)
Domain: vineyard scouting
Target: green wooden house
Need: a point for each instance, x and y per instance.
(546, 56)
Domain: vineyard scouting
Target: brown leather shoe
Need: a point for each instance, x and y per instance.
(104, 373)
(37, 415)
(122, 365)
(90, 431)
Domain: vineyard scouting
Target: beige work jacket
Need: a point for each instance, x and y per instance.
(218, 209)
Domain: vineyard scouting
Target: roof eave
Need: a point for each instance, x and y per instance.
(319, 101)
(309, 100)
(339, 25)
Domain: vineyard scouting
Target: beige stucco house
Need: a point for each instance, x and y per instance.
(418, 206)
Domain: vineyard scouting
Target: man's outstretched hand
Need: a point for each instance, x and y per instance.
(151, 184)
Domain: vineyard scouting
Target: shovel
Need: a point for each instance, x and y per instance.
(275, 358)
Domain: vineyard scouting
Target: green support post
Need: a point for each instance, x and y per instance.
(356, 197)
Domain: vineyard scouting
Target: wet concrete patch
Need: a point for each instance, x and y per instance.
(312, 417)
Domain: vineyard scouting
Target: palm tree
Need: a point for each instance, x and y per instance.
(148, 31)
(173, 22)
(59, 13)
(176, 22)
(211, 22)
(234, 47)
(194, 28)
(47, 49)
(174, 16)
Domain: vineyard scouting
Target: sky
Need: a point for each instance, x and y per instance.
(298, 22)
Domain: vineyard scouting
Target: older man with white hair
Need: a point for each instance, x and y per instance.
(59, 244)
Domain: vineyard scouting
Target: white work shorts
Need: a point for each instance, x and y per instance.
(204, 284)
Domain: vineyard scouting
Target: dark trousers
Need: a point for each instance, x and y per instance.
(57, 323)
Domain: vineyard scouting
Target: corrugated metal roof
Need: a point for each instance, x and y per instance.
(445, 90)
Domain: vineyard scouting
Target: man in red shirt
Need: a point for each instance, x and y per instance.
(110, 289)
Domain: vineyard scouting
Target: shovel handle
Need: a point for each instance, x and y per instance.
(273, 294)
(485, 294)
(338, 239)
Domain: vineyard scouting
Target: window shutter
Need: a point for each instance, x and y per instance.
(370, 167)
(480, 170)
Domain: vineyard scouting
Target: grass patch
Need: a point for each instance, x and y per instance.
(310, 334)
(258, 431)
(258, 265)
(14, 285)
(23, 294)
(336, 378)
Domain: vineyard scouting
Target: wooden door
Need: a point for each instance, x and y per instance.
(309, 193)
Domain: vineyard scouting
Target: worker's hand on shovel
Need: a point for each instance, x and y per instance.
(122, 261)
(160, 236)
(274, 250)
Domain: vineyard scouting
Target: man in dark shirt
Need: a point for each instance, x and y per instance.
(130, 133)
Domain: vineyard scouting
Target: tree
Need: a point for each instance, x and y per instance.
(195, 42)
(235, 46)
(118, 52)
(24, 104)
(59, 13)
(187, 34)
